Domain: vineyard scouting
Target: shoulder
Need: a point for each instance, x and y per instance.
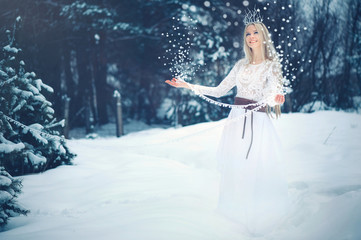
(273, 64)
(241, 62)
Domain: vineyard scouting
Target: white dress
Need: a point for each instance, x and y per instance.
(253, 191)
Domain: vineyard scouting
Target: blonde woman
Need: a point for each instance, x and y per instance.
(253, 188)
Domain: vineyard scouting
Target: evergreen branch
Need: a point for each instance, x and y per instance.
(50, 136)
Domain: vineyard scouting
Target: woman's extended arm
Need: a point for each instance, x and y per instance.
(227, 84)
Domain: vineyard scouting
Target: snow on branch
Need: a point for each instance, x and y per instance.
(35, 129)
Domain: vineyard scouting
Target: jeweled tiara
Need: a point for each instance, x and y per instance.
(252, 16)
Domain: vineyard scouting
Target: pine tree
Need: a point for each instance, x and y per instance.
(29, 133)
(9, 190)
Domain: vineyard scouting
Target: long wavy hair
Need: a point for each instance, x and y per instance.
(268, 53)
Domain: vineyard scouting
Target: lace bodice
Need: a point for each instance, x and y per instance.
(261, 82)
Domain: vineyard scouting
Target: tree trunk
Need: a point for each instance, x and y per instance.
(100, 68)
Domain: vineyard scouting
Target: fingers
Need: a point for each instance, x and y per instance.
(280, 99)
(170, 83)
(173, 82)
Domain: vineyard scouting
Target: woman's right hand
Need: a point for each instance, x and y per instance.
(280, 99)
(177, 83)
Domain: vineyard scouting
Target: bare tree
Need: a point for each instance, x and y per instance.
(349, 81)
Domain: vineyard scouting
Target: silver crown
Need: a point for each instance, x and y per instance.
(252, 16)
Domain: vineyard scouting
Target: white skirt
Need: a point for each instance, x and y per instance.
(253, 190)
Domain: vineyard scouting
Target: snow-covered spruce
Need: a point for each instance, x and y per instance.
(9, 189)
(30, 140)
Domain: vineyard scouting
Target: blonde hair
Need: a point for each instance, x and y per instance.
(268, 53)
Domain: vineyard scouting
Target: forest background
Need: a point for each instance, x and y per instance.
(85, 50)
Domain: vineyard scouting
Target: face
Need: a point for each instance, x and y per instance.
(253, 37)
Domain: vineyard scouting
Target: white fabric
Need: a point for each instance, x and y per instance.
(261, 82)
(253, 192)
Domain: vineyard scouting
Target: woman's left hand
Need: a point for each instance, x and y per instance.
(280, 99)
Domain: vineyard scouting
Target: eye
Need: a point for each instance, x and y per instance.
(256, 32)
(247, 34)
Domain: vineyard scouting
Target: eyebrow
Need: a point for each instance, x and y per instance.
(251, 31)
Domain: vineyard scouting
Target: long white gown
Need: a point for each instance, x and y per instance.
(253, 191)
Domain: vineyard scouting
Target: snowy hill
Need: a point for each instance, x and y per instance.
(163, 184)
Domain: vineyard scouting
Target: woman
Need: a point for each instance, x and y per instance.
(253, 189)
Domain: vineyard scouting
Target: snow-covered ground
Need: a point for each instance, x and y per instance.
(163, 184)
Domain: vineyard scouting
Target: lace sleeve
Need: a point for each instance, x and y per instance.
(224, 87)
(274, 83)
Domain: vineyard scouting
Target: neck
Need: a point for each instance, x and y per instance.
(257, 56)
